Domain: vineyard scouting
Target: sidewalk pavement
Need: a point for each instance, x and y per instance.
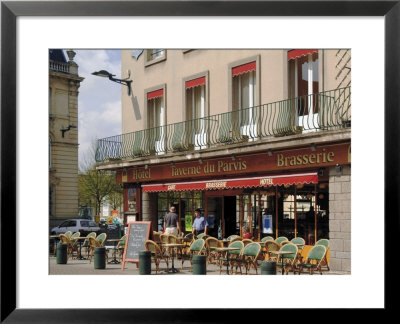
(83, 267)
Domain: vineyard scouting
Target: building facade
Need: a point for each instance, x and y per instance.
(255, 138)
(64, 83)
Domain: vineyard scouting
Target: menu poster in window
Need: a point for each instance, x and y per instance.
(188, 223)
(132, 200)
(138, 233)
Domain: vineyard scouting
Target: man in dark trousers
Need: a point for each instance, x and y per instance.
(171, 222)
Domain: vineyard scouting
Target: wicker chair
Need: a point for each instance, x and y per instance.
(267, 238)
(281, 239)
(271, 246)
(156, 254)
(210, 244)
(248, 257)
(288, 261)
(235, 239)
(65, 240)
(157, 237)
(94, 243)
(314, 259)
(324, 242)
(121, 247)
(68, 234)
(102, 238)
(196, 248)
(74, 243)
(86, 242)
(231, 237)
(233, 255)
(247, 241)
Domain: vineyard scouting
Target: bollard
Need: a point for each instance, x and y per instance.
(100, 258)
(199, 264)
(61, 253)
(268, 268)
(144, 262)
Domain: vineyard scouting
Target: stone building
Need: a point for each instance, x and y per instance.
(255, 138)
(64, 83)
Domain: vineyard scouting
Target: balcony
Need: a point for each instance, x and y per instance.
(324, 111)
(58, 66)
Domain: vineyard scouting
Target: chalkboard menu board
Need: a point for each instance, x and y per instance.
(113, 232)
(138, 233)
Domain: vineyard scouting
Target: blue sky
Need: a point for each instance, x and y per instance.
(99, 100)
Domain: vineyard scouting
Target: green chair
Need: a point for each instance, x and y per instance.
(101, 238)
(324, 242)
(249, 257)
(270, 246)
(68, 234)
(298, 240)
(288, 261)
(267, 238)
(314, 259)
(74, 242)
(196, 248)
(210, 244)
(86, 242)
(156, 253)
(233, 255)
(281, 239)
(121, 246)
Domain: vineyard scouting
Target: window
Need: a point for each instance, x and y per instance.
(244, 98)
(156, 116)
(195, 110)
(154, 56)
(304, 84)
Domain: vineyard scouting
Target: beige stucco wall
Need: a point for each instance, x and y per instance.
(272, 73)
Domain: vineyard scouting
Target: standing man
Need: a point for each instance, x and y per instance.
(200, 223)
(171, 222)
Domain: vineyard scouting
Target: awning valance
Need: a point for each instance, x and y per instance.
(265, 181)
(195, 82)
(244, 68)
(155, 94)
(300, 52)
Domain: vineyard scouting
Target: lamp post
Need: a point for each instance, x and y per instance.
(106, 74)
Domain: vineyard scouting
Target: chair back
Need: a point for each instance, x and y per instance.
(172, 238)
(271, 246)
(231, 237)
(202, 236)
(121, 243)
(252, 250)
(211, 242)
(323, 242)
(101, 238)
(317, 253)
(156, 237)
(189, 236)
(197, 246)
(74, 237)
(86, 241)
(64, 239)
(68, 234)
(298, 240)
(289, 247)
(237, 238)
(93, 242)
(153, 247)
(280, 239)
(164, 238)
(267, 238)
(247, 241)
(237, 244)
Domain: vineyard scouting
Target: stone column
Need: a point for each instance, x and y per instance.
(340, 219)
(149, 208)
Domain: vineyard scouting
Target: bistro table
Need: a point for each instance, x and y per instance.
(55, 238)
(226, 250)
(173, 246)
(114, 260)
(281, 253)
(80, 239)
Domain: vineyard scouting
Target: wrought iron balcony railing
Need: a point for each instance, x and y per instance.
(322, 111)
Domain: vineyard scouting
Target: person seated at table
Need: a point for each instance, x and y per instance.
(246, 233)
(171, 222)
(200, 224)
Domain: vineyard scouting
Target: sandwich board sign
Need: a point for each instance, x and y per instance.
(138, 233)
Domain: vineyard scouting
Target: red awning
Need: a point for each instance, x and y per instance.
(265, 181)
(155, 94)
(244, 68)
(195, 82)
(299, 53)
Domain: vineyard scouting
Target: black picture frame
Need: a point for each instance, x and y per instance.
(10, 10)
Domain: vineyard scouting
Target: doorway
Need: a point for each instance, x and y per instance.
(221, 212)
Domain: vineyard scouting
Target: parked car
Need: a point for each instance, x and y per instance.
(84, 226)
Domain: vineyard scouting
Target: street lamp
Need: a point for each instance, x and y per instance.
(106, 74)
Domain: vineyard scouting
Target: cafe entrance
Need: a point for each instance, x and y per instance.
(221, 214)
